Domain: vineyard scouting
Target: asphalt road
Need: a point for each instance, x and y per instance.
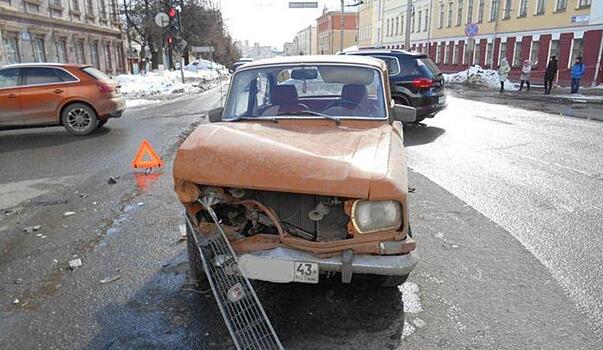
(504, 262)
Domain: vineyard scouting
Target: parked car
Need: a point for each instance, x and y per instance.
(79, 97)
(413, 78)
(305, 170)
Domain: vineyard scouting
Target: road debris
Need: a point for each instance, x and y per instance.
(110, 279)
(30, 229)
(16, 301)
(19, 281)
(75, 263)
(83, 195)
(68, 213)
(112, 180)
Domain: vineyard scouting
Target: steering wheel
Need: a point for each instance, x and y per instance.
(343, 103)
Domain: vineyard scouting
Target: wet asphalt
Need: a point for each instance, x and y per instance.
(502, 197)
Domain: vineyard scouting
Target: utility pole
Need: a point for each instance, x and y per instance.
(409, 13)
(492, 64)
(341, 22)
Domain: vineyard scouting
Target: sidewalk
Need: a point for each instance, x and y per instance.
(560, 95)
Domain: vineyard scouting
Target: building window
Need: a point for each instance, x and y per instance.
(534, 52)
(456, 54)
(577, 49)
(419, 22)
(89, 8)
(507, 11)
(466, 55)
(459, 13)
(540, 7)
(108, 57)
(502, 52)
(441, 20)
(387, 28)
(447, 54)
(102, 9)
(426, 28)
(523, 8)
(397, 24)
(114, 10)
(477, 53)
(120, 56)
(8, 2)
(75, 5)
(412, 24)
(61, 47)
(79, 52)
(438, 53)
(554, 49)
(489, 54)
(517, 54)
(480, 11)
(39, 53)
(494, 9)
(583, 3)
(561, 5)
(11, 49)
(449, 23)
(94, 54)
(401, 24)
(469, 11)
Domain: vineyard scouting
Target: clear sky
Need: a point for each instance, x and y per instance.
(270, 22)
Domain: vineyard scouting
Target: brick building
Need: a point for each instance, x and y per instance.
(328, 31)
(74, 31)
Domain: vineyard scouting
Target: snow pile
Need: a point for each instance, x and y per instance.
(204, 65)
(170, 82)
(477, 76)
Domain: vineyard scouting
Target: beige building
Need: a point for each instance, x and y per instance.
(306, 41)
(395, 21)
(518, 30)
(74, 31)
(328, 31)
(366, 18)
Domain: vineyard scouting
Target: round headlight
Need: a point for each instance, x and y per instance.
(373, 216)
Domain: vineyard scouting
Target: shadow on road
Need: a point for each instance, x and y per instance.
(26, 139)
(163, 315)
(420, 134)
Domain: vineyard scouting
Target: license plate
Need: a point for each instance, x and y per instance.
(305, 272)
(442, 100)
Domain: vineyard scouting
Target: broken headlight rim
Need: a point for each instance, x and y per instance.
(376, 216)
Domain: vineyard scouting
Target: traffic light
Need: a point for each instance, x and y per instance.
(170, 40)
(172, 12)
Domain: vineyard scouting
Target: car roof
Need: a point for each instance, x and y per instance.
(317, 59)
(385, 52)
(45, 64)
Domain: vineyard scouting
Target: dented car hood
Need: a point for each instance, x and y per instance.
(354, 160)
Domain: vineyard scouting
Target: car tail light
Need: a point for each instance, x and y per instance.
(422, 83)
(105, 88)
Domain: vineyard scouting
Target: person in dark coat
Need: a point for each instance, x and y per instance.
(549, 75)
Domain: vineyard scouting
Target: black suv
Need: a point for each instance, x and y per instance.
(413, 78)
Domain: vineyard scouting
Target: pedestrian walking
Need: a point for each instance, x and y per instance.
(526, 72)
(503, 73)
(578, 71)
(549, 75)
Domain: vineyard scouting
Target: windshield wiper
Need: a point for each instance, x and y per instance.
(318, 114)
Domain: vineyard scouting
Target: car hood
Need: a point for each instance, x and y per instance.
(289, 156)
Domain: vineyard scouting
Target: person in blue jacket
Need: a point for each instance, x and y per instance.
(578, 71)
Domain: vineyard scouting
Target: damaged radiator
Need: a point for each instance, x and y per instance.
(241, 309)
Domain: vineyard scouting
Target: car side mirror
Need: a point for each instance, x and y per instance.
(405, 114)
(215, 115)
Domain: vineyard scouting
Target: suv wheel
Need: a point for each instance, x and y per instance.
(79, 119)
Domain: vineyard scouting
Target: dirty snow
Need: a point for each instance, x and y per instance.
(137, 102)
(156, 84)
(411, 300)
(477, 76)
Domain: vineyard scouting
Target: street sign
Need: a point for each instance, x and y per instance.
(303, 4)
(162, 20)
(201, 49)
(471, 30)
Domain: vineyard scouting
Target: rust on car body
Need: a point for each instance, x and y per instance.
(257, 166)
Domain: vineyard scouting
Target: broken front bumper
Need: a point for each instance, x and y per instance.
(276, 265)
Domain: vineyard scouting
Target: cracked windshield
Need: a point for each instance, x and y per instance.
(314, 174)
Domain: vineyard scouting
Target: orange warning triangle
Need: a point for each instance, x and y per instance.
(142, 161)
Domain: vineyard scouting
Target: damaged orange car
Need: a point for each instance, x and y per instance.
(305, 171)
